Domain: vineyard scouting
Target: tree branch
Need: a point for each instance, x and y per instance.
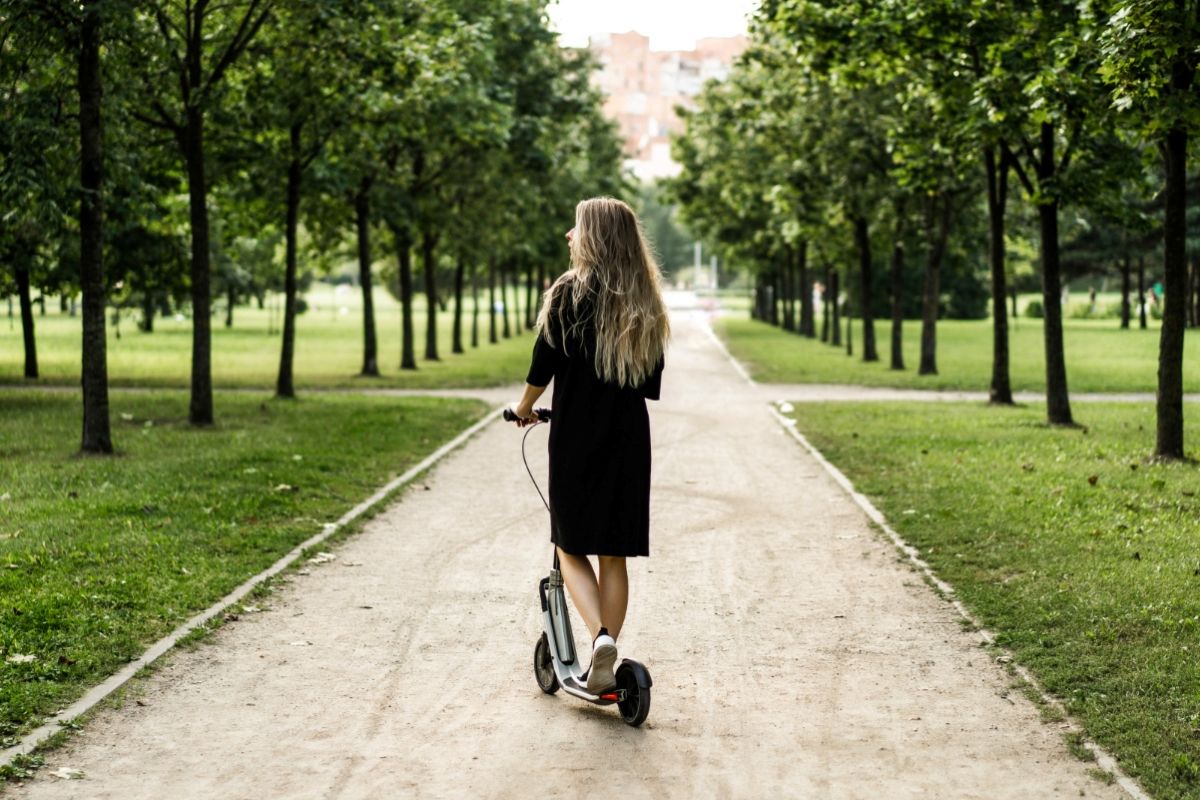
(246, 30)
(1015, 163)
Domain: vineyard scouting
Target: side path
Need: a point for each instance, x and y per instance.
(793, 654)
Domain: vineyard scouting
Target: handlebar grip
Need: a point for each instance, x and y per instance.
(543, 415)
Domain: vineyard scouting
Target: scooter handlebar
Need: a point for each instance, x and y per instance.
(543, 415)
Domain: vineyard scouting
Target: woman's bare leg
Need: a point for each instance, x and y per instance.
(585, 592)
(614, 593)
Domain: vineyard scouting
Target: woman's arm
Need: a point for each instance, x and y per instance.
(524, 406)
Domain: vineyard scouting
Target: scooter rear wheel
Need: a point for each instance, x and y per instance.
(636, 705)
(543, 666)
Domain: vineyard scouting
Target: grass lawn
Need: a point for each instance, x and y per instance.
(328, 348)
(101, 556)
(1081, 556)
(1100, 356)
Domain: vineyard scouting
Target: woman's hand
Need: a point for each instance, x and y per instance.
(525, 413)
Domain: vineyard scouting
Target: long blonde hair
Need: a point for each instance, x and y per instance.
(611, 261)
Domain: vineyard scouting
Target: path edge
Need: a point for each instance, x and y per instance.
(1104, 759)
(98, 693)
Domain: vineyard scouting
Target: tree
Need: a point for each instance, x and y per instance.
(189, 51)
(1150, 58)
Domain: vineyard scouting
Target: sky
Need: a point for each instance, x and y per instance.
(670, 24)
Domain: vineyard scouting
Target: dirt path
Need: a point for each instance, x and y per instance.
(793, 654)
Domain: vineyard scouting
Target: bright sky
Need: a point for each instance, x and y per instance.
(670, 24)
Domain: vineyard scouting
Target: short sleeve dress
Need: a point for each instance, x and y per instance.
(599, 445)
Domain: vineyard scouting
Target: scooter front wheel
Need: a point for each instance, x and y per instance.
(636, 705)
(543, 666)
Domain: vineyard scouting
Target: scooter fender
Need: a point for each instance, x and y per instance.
(640, 673)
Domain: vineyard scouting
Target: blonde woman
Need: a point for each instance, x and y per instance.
(602, 331)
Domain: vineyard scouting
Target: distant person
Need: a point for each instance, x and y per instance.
(602, 332)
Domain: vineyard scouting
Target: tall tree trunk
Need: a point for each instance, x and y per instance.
(200, 406)
(898, 288)
(773, 289)
(1125, 290)
(1141, 278)
(429, 267)
(96, 436)
(937, 231)
(849, 329)
(456, 345)
(1169, 441)
(1058, 404)
(230, 302)
(529, 291)
(835, 290)
(1000, 391)
(786, 280)
(492, 300)
(22, 274)
(862, 239)
(807, 324)
(541, 285)
(1193, 295)
(284, 385)
(404, 243)
(474, 304)
(516, 291)
(147, 324)
(362, 224)
(825, 305)
(505, 331)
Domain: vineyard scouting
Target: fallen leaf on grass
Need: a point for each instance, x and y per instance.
(68, 773)
(5, 497)
(127, 417)
(1093, 479)
(249, 470)
(21, 658)
(250, 609)
(322, 558)
(284, 487)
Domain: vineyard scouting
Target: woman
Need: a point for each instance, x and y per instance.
(602, 331)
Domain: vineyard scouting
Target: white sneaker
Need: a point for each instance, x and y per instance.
(600, 677)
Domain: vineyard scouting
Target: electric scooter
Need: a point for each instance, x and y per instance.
(555, 662)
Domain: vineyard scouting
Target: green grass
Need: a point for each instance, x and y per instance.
(328, 349)
(101, 556)
(1100, 356)
(1080, 555)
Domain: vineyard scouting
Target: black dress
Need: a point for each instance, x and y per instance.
(599, 446)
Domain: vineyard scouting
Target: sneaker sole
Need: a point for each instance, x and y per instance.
(600, 674)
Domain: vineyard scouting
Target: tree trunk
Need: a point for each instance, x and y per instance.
(1141, 276)
(516, 290)
(1000, 391)
(505, 331)
(22, 274)
(789, 306)
(835, 325)
(773, 298)
(284, 385)
(541, 285)
(862, 239)
(1193, 295)
(529, 316)
(147, 325)
(492, 300)
(825, 306)
(404, 243)
(807, 324)
(474, 305)
(1058, 404)
(937, 231)
(1169, 442)
(429, 267)
(456, 346)
(200, 406)
(362, 222)
(1125, 290)
(898, 289)
(230, 302)
(849, 329)
(96, 436)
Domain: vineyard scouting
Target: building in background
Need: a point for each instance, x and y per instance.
(643, 86)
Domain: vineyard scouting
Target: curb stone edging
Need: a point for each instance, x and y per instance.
(1104, 759)
(32, 740)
